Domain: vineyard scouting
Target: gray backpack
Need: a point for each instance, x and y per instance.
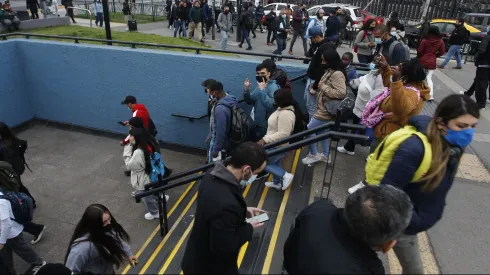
(392, 48)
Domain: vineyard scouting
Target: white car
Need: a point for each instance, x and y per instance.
(353, 11)
(277, 7)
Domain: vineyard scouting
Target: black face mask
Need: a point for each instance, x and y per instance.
(108, 228)
(260, 78)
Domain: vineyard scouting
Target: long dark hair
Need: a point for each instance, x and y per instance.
(367, 25)
(108, 245)
(334, 62)
(6, 134)
(450, 108)
(141, 142)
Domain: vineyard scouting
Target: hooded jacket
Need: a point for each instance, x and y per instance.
(263, 102)
(221, 123)
(429, 50)
(428, 206)
(219, 229)
(225, 22)
(139, 110)
(402, 102)
(368, 86)
(135, 162)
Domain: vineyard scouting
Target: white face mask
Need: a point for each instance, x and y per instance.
(130, 108)
(393, 33)
(249, 181)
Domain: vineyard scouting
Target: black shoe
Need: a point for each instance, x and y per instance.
(38, 237)
(168, 172)
(249, 48)
(239, 45)
(255, 36)
(127, 173)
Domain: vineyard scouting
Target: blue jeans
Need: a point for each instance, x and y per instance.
(245, 37)
(210, 153)
(453, 50)
(99, 17)
(224, 39)
(325, 143)
(281, 45)
(177, 25)
(310, 99)
(274, 167)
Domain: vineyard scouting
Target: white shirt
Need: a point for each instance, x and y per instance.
(12, 228)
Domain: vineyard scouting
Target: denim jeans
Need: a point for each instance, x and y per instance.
(99, 17)
(181, 25)
(210, 152)
(408, 253)
(274, 167)
(281, 45)
(310, 99)
(453, 50)
(325, 143)
(245, 34)
(224, 39)
(151, 203)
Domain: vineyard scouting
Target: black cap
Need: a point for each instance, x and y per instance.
(129, 99)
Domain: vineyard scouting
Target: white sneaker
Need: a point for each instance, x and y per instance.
(355, 187)
(38, 237)
(166, 197)
(287, 180)
(326, 159)
(271, 184)
(149, 216)
(310, 159)
(133, 193)
(342, 150)
(431, 98)
(36, 268)
(461, 92)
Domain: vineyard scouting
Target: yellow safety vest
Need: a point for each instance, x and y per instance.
(378, 162)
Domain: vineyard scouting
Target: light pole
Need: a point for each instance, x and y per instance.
(107, 21)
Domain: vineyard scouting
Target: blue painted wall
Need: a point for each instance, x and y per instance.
(15, 106)
(85, 84)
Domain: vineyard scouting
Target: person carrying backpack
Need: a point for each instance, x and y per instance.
(394, 51)
(221, 121)
(138, 156)
(422, 159)
(15, 209)
(270, 23)
(281, 124)
(364, 44)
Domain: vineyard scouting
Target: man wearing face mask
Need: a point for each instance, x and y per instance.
(300, 17)
(281, 34)
(394, 53)
(220, 229)
(262, 98)
(220, 120)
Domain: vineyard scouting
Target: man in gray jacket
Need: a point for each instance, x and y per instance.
(225, 23)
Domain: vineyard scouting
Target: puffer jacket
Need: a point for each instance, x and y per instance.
(368, 86)
(332, 86)
(135, 162)
(403, 103)
(429, 50)
(280, 124)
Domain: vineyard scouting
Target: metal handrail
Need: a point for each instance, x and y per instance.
(87, 10)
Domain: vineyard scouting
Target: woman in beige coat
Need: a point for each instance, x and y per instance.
(332, 85)
(280, 125)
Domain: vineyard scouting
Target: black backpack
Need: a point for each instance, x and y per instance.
(240, 125)
(15, 155)
(152, 129)
(300, 123)
(22, 205)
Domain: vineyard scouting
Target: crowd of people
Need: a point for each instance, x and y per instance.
(408, 174)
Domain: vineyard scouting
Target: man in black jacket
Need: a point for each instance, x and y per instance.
(458, 37)
(384, 42)
(331, 240)
(482, 79)
(220, 229)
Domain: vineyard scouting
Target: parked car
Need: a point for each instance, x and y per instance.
(353, 11)
(366, 15)
(277, 7)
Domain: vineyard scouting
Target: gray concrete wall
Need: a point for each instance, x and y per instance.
(41, 23)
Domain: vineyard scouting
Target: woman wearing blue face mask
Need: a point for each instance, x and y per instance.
(448, 133)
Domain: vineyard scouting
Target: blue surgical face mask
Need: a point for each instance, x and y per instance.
(461, 138)
(249, 181)
(394, 33)
(372, 66)
(378, 40)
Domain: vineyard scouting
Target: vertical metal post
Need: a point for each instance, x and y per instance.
(86, 7)
(107, 22)
(161, 215)
(114, 6)
(213, 16)
(153, 10)
(238, 27)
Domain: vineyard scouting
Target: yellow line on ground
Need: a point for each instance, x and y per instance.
(176, 248)
(241, 255)
(157, 250)
(140, 251)
(277, 226)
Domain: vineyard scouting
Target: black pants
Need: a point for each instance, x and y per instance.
(481, 85)
(34, 12)
(24, 190)
(350, 145)
(269, 34)
(170, 22)
(258, 24)
(471, 90)
(33, 228)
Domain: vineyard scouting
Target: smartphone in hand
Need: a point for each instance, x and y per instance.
(121, 123)
(259, 218)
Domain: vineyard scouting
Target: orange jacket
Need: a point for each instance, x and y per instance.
(403, 103)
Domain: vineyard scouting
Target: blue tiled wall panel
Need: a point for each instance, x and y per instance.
(85, 84)
(15, 106)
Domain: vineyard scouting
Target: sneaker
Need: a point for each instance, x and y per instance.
(35, 268)
(239, 45)
(290, 52)
(271, 184)
(355, 187)
(287, 180)
(133, 193)
(262, 175)
(249, 49)
(310, 159)
(326, 159)
(127, 173)
(461, 92)
(458, 68)
(482, 109)
(149, 216)
(342, 150)
(38, 237)
(431, 98)
(440, 67)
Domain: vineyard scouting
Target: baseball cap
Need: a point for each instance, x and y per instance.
(129, 99)
(315, 31)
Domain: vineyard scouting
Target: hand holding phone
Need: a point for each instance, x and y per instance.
(259, 218)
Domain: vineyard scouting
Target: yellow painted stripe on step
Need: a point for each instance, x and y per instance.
(277, 226)
(176, 248)
(241, 255)
(140, 251)
(159, 247)
(181, 241)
